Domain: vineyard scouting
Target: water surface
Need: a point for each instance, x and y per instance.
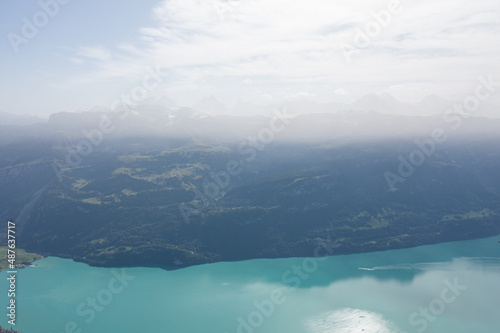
(449, 287)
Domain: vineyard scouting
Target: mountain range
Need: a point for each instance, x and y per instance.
(169, 186)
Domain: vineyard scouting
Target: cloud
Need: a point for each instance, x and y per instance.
(340, 92)
(301, 95)
(224, 45)
(94, 52)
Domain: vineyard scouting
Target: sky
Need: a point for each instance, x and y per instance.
(69, 55)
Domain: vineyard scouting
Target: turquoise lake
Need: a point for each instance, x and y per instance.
(449, 287)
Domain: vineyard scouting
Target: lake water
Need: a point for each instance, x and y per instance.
(450, 287)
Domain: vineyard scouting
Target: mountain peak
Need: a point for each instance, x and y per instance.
(370, 97)
(389, 98)
(210, 105)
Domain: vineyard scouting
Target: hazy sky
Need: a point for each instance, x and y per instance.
(88, 53)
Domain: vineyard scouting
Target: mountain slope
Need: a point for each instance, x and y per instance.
(173, 200)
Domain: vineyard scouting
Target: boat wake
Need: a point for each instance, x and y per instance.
(458, 264)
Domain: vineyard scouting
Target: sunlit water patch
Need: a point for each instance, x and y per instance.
(349, 321)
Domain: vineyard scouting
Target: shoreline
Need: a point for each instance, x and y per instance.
(23, 259)
(173, 268)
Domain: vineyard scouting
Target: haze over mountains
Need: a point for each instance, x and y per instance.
(10, 119)
(164, 185)
(431, 105)
(371, 116)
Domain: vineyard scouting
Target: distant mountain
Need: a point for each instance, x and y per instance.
(251, 109)
(431, 105)
(386, 104)
(373, 102)
(162, 101)
(9, 119)
(149, 120)
(169, 112)
(210, 106)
